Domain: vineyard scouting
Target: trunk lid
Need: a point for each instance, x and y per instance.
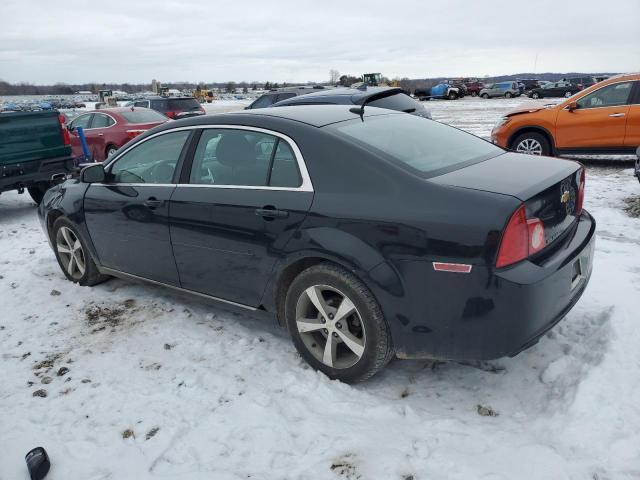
(547, 186)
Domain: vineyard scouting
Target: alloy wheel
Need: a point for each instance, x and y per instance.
(535, 95)
(567, 94)
(71, 253)
(529, 146)
(330, 326)
(111, 151)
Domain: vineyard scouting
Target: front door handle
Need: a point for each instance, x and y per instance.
(153, 203)
(101, 134)
(270, 212)
(617, 115)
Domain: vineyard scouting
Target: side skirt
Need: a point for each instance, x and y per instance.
(129, 276)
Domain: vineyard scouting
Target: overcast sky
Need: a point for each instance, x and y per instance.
(48, 41)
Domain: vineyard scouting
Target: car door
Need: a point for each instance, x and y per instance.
(84, 122)
(128, 215)
(239, 202)
(599, 121)
(98, 135)
(632, 135)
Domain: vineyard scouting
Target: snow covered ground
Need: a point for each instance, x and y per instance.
(141, 383)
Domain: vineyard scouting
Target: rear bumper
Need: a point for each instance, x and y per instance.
(25, 174)
(490, 313)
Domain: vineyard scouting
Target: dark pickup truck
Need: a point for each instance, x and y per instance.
(35, 152)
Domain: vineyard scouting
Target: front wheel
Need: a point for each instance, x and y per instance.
(567, 94)
(535, 95)
(508, 95)
(532, 143)
(73, 256)
(474, 94)
(453, 95)
(485, 96)
(111, 151)
(336, 324)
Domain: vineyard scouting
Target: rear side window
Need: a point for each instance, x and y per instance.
(399, 101)
(422, 146)
(243, 158)
(609, 96)
(101, 121)
(143, 116)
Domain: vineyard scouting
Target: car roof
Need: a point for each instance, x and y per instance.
(314, 115)
(158, 97)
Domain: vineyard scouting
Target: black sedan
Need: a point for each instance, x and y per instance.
(393, 98)
(368, 234)
(557, 89)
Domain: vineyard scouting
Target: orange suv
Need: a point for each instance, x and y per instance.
(604, 118)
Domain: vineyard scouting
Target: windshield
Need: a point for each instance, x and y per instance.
(423, 146)
(144, 116)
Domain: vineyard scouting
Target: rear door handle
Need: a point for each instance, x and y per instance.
(270, 212)
(617, 115)
(101, 134)
(153, 203)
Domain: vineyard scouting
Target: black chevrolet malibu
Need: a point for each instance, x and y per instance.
(368, 236)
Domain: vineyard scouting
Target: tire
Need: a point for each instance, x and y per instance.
(485, 96)
(110, 151)
(452, 96)
(364, 327)
(474, 94)
(82, 270)
(37, 191)
(531, 143)
(536, 95)
(508, 95)
(567, 94)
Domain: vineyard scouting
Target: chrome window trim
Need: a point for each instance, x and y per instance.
(566, 107)
(115, 122)
(306, 186)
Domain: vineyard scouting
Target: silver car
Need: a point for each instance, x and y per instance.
(501, 89)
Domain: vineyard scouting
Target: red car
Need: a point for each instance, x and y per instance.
(108, 129)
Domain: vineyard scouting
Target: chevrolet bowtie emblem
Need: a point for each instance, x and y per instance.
(564, 198)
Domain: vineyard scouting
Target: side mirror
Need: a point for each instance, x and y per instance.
(93, 174)
(572, 106)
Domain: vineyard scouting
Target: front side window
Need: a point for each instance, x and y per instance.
(609, 96)
(427, 148)
(243, 158)
(153, 161)
(82, 121)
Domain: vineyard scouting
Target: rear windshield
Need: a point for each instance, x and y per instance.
(398, 101)
(423, 146)
(143, 116)
(176, 104)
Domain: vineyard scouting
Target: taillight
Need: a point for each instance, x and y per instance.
(170, 114)
(66, 138)
(134, 133)
(522, 237)
(580, 193)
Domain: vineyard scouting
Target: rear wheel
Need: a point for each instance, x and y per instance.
(452, 95)
(474, 94)
(110, 151)
(535, 95)
(73, 256)
(508, 95)
(532, 143)
(336, 324)
(567, 94)
(485, 95)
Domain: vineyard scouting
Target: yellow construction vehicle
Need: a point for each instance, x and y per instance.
(204, 95)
